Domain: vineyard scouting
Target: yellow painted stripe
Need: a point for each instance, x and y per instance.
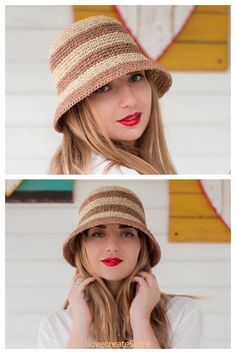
(186, 205)
(198, 230)
(196, 56)
(221, 9)
(81, 11)
(206, 27)
(184, 186)
(191, 217)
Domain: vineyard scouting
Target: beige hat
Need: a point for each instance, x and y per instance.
(112, 205)
(93, 52)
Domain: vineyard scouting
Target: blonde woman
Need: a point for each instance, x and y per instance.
(115, 300)
(108, 109)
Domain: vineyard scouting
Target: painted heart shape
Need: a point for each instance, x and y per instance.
(154, 30)
(217, 193)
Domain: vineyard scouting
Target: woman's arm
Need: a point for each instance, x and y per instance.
(81, 316)
(147, 297)
(78, 337)
(143, 335)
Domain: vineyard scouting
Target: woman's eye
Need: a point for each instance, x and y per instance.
(136, 77)
(103, 89)
(127, 234)
(97, 234)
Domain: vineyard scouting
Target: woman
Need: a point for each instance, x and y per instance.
(108, 108)
(114, 300)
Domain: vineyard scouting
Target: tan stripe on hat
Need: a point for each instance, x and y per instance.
(80, 67)
(111, 201)
(79, 61)
(98, 69)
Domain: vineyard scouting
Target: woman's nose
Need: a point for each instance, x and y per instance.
(112, 245)
(126, 96)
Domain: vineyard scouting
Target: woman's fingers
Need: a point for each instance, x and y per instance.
(150, 278)
(80, 283)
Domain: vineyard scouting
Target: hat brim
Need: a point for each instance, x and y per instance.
(154, 251)
(161, 77)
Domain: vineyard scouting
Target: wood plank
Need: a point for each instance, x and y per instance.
(184, 186)
(206, 28)
(15, 329)
(30, 300)
(198, 230)
(58, 274)
(187, 205)
(220, 9)
(196, 56)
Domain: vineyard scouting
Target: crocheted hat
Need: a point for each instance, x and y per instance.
(91, 53)
(112, 205)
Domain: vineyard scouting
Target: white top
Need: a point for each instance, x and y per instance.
(99, 165)
(184, 314)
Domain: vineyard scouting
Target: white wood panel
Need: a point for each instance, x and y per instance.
(23, 326)
(202, 164)
(216, 344)
(30, 245)
(34, 17)
(195, 141)
(35, 111)
(188, 141)
(189, 83)
(193, 274)
(222, 330)
(27, 165)
(29, 78)
(54, 273)
(184, 165)
(200, 110)
(44, 300)
(200, 82)
(195, 110)
(62, 223)
(18, 43)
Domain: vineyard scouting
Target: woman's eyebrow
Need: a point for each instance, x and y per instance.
(99, 226)
(125, 227)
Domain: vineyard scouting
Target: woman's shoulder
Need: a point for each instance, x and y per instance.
(182, 304)
(181, 301)
(100, 166)
(183, 309)
(59, 317)
(186, 322)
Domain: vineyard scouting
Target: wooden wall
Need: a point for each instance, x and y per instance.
(37, 278)
(196, 111)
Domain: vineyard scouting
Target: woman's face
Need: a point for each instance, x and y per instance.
(112, 250)
(123, 106)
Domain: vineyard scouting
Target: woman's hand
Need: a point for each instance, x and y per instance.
(80, 310)
(147, 296)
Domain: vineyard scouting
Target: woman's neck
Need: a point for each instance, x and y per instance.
(113, 286)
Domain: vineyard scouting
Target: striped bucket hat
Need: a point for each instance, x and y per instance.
(112, 205)
(91, 53)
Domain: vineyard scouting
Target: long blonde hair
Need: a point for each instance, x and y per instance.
(111, 322)
(84, 135)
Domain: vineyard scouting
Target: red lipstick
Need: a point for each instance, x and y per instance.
(111, 262)
(131, 119)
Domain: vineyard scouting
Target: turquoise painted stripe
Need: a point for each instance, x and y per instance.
(45, 185)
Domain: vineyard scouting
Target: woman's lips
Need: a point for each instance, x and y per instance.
(111, 262)
(131, 119)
